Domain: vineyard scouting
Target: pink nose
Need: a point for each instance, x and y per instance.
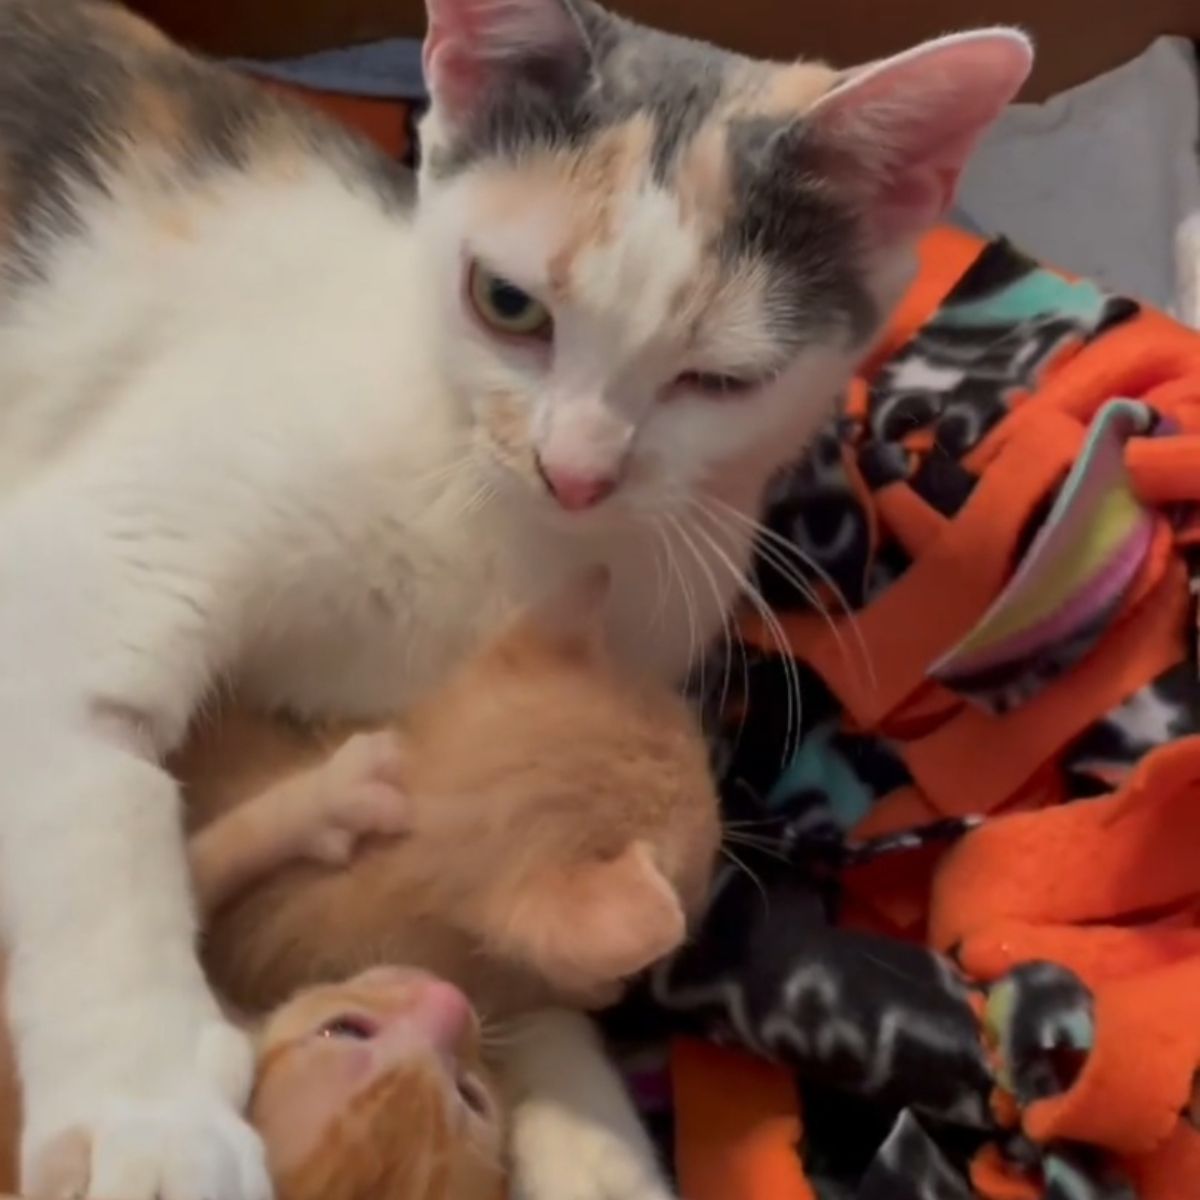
(443, 1013)
(573, 491)
(437, 1009)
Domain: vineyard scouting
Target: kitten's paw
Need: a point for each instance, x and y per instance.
(173, 1137)
(558, 1155)
(359, 793)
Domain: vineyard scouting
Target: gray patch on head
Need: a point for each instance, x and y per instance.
(676, 81)
(66, 81)
(550, 100)
(784, 215)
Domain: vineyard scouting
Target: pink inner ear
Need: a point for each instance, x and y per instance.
(459, 77)
(905, 127)
(468, 41)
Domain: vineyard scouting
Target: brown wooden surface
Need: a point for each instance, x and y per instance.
(1077, 38)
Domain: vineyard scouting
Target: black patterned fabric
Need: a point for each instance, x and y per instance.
(882, 1033)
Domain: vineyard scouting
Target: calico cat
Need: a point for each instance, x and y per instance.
(268, 416)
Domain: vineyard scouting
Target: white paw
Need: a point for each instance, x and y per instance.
(560, 1155)
(360, 793)
(168, 1135)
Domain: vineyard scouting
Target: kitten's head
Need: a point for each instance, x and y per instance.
(577, 802)
(374, 1090)
(658, 258)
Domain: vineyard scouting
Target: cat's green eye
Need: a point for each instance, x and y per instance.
(505, 307)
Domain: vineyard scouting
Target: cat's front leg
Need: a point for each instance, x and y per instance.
(120, 1043)
(575, 1132)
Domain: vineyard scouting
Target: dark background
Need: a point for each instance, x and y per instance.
(1077, 38)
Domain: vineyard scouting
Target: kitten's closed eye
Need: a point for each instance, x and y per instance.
(474, 1095)
(506, 308)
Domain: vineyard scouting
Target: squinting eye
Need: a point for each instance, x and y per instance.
(356, 1029)
(711, 383)
(505, 307)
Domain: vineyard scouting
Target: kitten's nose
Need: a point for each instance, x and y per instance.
(575, 491)
(443, 1012)
(416, 999)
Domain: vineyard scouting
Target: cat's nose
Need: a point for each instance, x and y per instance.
(575, 490)
(443, 1013)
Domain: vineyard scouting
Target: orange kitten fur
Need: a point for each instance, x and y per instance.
(564, 825)
(375, 1090)
(371, 1089)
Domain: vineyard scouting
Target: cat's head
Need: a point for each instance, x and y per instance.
(577, 801)
(656, 257)
(375, 1088)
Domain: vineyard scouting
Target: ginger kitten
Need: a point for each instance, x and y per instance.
(563, 824)
(371, 1088)
(374, 1089)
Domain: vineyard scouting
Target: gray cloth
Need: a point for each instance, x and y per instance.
(390, 69)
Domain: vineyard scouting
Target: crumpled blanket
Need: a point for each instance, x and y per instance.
(961, 777)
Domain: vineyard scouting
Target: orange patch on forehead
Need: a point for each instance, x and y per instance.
(599, 174)
(505, 194)
(154, 112)
(574, 193)
(131, 29)
(789, 91)
(703, 180)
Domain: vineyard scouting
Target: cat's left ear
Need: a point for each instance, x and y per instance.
(897, 133)
(473, 47)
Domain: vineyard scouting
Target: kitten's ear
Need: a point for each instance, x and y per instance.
(472, 46)
(901, 130)
(590, 926)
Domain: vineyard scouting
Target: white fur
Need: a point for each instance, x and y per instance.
(234, 444)
(232, 462)
(575, 1134)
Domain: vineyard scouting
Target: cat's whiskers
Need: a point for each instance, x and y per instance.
(496, 1034)
(662, 579)
(726, 618)
(760, 823)
(689, 603)
(485, 494)
(730, 627)
(791, 573)
(765, 534)
(464, 457)
(739, 864)
(759, 844)
(793, 726)
(444, 475)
